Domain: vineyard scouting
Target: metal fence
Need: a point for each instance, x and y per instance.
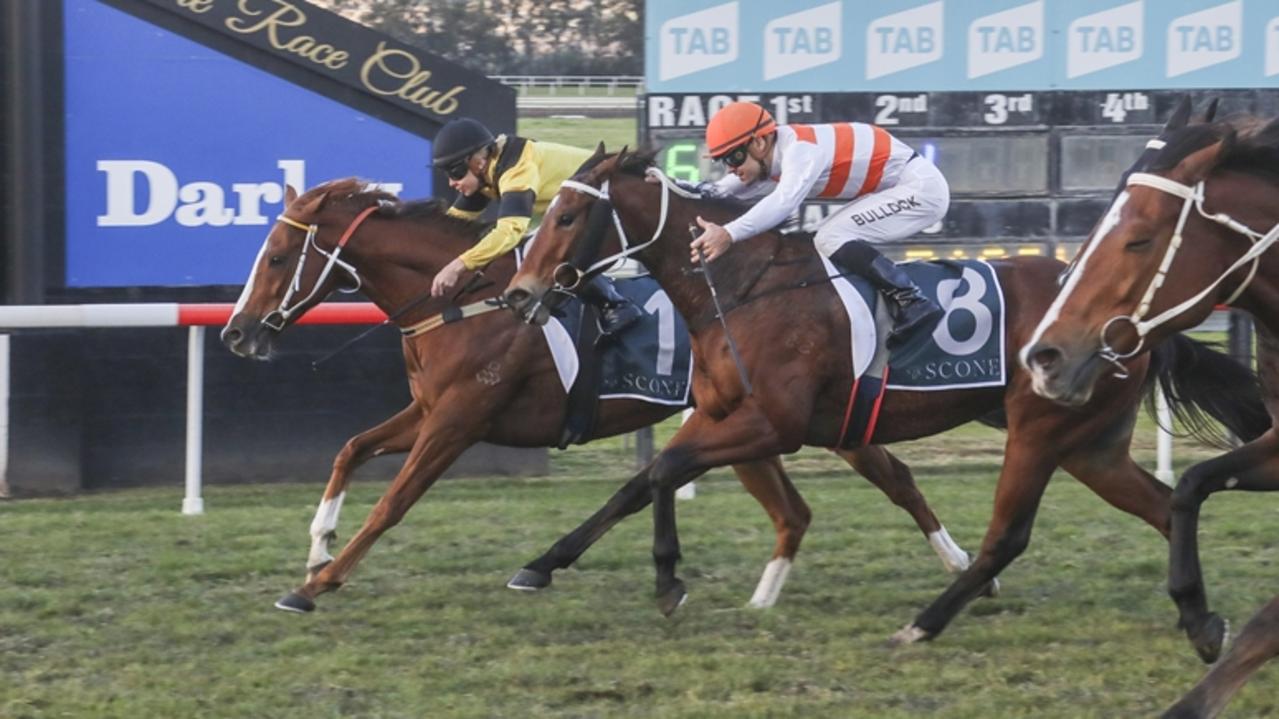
(581, 84)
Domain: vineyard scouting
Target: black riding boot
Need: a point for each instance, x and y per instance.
(616, 312)
(908, 306)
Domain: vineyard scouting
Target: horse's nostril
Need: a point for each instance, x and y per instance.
(1046, 358)
(517, 296)
(232, 336)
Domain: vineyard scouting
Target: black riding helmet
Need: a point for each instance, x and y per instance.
(457, 140)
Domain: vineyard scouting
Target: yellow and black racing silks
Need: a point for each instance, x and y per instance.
(527, 174)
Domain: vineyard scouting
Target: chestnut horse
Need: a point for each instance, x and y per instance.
(473, 380)
(792, 339)
(1192, 233)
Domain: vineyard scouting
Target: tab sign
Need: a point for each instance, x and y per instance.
(1104, 39)
(698, 41)
(1006, 39)
(1205, 38)
(803, 40)
(904, 40)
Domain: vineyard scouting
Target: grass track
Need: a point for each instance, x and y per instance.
(114, 605)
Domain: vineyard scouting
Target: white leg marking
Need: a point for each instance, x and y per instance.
(770, 584)
(324, 524)
(952, 557)
(908, 634)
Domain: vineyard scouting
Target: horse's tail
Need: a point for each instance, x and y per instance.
(1203, 385)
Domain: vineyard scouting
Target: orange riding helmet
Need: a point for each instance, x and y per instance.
(736, 124)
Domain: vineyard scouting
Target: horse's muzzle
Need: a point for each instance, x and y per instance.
(531, 306)
(248, 337)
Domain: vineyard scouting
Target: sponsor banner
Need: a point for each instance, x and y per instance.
(177, 155)
(922, 45)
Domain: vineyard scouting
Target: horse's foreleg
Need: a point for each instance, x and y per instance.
(631, 498)
(394, 435)
(1021, 484)
(438, 444)
(701, 443)
(1257, 644)
(1252, 467)
(895, 480)
(769, 484)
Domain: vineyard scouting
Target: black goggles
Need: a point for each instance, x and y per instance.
(735, 157)
(458, 169)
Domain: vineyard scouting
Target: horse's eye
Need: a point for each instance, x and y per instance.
(565, 219)
(277, 260)
(1138, 245)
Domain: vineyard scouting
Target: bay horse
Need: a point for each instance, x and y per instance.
(1194, 232)
(792, 338)
(473, 380)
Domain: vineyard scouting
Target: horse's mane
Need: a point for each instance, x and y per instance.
(354, 194)
(636, 164)
(1255, 151)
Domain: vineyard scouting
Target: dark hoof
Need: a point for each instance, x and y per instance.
(529, 580)
(294, 602)
(1209, 638)
(671, 599)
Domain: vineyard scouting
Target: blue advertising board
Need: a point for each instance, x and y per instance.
(177, 155)
(937, 45)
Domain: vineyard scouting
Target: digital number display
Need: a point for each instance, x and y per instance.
(1096, 162)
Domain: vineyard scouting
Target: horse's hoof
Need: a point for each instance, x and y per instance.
(529, 580)
(294, 602)
(991, 590)
(908, 634)
(1210, 638)
(671, 599)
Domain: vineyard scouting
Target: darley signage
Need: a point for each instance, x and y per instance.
(330, 45)
(180, 143)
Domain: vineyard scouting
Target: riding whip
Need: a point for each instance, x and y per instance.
(719, 312)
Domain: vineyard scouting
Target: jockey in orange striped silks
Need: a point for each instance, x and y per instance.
(891, 192)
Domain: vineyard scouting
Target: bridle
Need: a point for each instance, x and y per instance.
(569, 276)
(1192, 196)
(595, 236)
(279, 317)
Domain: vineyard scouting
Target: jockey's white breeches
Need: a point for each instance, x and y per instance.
(919, 199)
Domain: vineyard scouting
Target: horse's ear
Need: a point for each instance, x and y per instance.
(599, 149)
(315, 204)
(290, 195)
(1180, 115)
(1198, 164)
(1211, 112)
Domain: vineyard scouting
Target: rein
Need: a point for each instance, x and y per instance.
(1192, 197)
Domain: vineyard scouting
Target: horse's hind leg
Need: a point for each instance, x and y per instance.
(437, 445)
(631, 498)
(1257, 644)
(1027, 468)
(769, 484)
(1253, 467)
(394, 435)
(766, 480)
(894, 479)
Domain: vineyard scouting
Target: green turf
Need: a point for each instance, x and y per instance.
(585, 132)
(115, 605)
